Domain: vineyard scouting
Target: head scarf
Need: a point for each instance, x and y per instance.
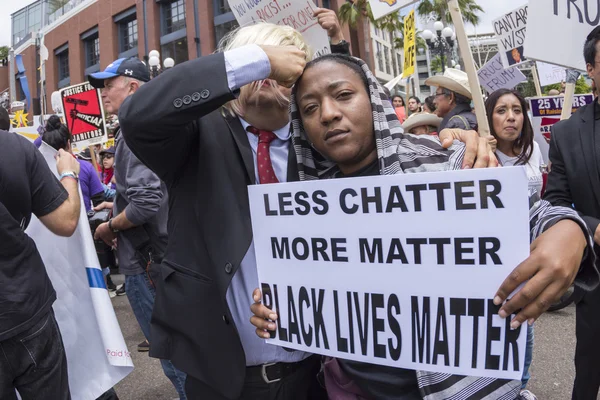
(397, 152)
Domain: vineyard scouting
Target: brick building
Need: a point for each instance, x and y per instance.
(84, 36)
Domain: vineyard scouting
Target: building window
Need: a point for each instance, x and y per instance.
(128, 35)
(221, 7)
(19, 27)
(62, 64)
(423, 75)
(387, 60)
(173, 16)
(224, 29)
(92, 51)
(35, 17)
(422, 63)
(177, 50)
(380, 57)
(394, 64)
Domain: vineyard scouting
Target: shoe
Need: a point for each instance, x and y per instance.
(110, 285)
(112, 294)
(121, 290)
(144, 346)
(527, 395)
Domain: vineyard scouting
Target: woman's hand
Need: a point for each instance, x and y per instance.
(551, 268)
(260, 317)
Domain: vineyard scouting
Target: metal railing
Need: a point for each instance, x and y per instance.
(63, 10)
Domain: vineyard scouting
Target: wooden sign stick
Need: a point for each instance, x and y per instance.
(567, 109)
(536, 80)
(467, 56)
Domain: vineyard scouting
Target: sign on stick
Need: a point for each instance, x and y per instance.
(410, 48)
(510, 32)
(381, 8)
(493, 76)
(84, 115)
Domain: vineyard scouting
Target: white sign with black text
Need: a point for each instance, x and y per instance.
(493, 76)
(556, 31)
(295, 13)
(396, 270)
(510, 30)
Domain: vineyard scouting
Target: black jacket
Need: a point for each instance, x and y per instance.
(574, 179)
(174, 124)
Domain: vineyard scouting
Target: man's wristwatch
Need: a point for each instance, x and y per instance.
(113, 230)
(70, 174)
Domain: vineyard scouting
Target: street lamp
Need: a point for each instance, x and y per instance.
(154, 62)
(440, 43)
(168, 63)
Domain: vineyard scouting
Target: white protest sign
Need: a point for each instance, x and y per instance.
(546, 111)
(556, 31)
(493, 76)
(396, 270)
(381, 8)
(295, 13)
(550, 74)
(510, 32)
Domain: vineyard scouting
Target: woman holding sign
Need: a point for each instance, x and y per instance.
(333, 139)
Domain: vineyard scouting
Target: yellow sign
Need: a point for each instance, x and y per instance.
(109, 143)
(410, 48)
(20, 119)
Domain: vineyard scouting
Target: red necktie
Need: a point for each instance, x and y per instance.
(266, 174)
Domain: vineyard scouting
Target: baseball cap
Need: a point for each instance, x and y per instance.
(110, 150)
(131, 67)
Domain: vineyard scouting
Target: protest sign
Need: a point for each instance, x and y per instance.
(546, 111)
(84, 115)
(493, 76)
(381, 8)
(510, 32)
(550, 74)
(97, 356)
(410, 49)
(396, 270)
(556, 31)
(295, 13)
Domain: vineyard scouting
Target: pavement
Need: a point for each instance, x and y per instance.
(552, 370)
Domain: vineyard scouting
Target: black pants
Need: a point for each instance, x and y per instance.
(34, 363)
(301, 385)
(587, 352)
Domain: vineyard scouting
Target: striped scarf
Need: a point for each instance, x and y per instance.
(400, 153)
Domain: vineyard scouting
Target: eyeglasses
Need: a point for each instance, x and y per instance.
(439, 94)
(107, 156)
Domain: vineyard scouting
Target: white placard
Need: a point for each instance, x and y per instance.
(295, 13)
(493, 75)
(556, 31)
(381, 8)
(550, 74)
(510, 30)
(396, 270)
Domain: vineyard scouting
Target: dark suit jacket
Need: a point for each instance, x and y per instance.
(575, 156)
(174, 124)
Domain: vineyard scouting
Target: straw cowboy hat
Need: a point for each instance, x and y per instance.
(421, 119)
(453, 79)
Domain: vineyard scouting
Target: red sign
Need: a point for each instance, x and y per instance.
(84, 115)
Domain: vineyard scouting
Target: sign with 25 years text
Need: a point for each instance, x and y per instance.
(396, 270)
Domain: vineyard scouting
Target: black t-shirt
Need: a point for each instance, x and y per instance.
(26, 186)
(378, 381)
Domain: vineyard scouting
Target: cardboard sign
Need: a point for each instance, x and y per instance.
(510, 32)
(410, 48)
(545, 112)
(381, 8)
(84, 115)
(556, 31)
(396, 270)
(493, 76)
(295, 13)
(550, 74)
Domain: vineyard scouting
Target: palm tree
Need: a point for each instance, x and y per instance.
(439, 9)
(353, 12)
(392, 23)
(436, 64)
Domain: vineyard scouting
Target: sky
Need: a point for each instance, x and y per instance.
(492, 10)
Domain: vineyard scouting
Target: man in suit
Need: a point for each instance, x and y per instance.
(574, 180)
(209, 128)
